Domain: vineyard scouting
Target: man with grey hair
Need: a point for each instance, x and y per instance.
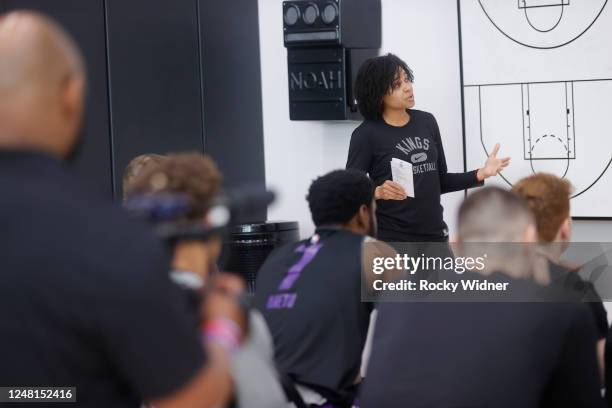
(485, 354)
(85, 299)
(498, 216)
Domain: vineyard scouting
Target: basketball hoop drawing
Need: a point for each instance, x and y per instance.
(543, 24)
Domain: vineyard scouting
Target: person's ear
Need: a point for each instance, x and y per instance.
(455, 244)
(72, 97)
(565, 231)
(363, 218)
(530, 234)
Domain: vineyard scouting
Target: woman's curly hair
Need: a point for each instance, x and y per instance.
(376, 77)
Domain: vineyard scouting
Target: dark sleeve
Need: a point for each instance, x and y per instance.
(601, 318)
(576, 381)
(450, 182)
(608, 368)
(360, 151)
(593, 300)
(148, 328)
(597, 308)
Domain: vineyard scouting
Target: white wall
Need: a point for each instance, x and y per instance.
(425, 35)
(297, 152)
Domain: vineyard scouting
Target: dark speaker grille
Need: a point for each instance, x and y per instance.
(250, 244)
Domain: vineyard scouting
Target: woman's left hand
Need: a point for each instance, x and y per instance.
(493, 165)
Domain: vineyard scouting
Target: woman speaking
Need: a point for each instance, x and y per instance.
(393, 131)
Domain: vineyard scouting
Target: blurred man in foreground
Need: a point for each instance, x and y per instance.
(85, 299)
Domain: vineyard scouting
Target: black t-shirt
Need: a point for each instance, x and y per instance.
(310, 295)
(85, 299)
(481, 355)
(579, 290)
(375, 143)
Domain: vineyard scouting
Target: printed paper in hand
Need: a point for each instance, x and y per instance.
(401, 172)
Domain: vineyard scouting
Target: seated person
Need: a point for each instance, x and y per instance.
(548, 197)
(195, 177)
(486, 354)
(310, 292)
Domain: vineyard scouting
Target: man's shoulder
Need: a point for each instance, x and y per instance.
(77, 223)
(553, 318)
(85, 211)
(282, 252)
(289, 252)
(372, 248)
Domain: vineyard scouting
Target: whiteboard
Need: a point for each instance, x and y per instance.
(537, 78)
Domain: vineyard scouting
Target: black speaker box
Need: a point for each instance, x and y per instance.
(347, 23)
(321, 82)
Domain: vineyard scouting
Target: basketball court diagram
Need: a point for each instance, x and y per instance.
(542, 24)
(537, 79)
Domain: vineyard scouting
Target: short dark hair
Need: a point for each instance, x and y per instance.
(337, 196)
(492, 214)
(376, 77)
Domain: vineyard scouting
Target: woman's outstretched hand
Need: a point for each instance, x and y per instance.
(493, 165)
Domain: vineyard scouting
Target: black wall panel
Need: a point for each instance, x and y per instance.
(84, 19)
(167, 76)
(154, 78)
(233, 121)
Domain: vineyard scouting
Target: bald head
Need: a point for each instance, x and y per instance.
(41, 84)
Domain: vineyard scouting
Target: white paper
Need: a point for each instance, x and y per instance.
(401, 172)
